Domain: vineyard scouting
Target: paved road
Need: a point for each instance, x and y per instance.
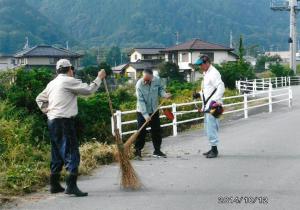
(260, 157)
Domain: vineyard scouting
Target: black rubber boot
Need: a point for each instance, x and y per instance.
(206, 153)
(214, 152)
(55, 186)
(72, 188)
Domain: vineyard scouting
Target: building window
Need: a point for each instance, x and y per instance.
(184, 57)
(135, 57)
(51, 61)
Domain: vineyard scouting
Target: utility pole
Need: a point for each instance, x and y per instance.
(67, 45)
(293, 34)
(177, 37)
(26, 46)
(293, 8)
(231, 40)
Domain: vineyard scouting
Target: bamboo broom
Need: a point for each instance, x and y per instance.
(129, 179)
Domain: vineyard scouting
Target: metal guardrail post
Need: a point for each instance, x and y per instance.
(119, 122)
(239, 86)
(245, 106)
(289, 81)
(270, 98)
(263, 83)
(281, 81)
(276, 82)
(174, 120)
(112, 126)
(290, 97)
(253, 88)
(285, 81)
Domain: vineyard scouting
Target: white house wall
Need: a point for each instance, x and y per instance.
(6, 63)
(131, 72)
(38, 61)
(135, 57)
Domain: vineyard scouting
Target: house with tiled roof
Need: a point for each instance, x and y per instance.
(140, 60)
(141, 54)
(185, 54)
(45, 56)
(133, 70)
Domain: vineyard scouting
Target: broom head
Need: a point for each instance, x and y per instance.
(130, 141)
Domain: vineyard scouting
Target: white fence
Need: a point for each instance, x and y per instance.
(245, 103)
(252, 86)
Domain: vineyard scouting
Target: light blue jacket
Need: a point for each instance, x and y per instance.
(148, 96)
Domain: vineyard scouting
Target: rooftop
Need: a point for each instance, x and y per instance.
(197, 44)
(47, 51)
(148, 51)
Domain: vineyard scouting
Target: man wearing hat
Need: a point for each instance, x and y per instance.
(59, 102)
(148, 91)
(212, 92)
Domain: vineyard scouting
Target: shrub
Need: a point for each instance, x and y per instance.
(233, 71)
(280, 71)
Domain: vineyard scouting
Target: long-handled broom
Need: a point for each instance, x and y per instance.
(134, 136)
(129, 178)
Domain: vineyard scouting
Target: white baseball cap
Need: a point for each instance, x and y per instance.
(63, 63)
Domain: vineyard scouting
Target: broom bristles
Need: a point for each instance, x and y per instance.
(129, 179)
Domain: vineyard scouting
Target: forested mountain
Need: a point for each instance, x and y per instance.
(19, 20)
(129, 23)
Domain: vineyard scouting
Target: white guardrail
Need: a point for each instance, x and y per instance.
(264, 95)
(252, 86)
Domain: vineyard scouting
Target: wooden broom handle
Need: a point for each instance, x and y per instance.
(110, 103)
(144, 125)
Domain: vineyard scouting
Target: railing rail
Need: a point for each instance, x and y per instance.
(252, 86)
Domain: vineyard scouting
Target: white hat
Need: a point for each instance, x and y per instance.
(63, 63)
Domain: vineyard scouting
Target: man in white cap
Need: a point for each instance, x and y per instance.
(212, 91)
(59, 102)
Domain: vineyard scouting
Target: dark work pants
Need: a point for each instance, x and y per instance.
(64, 145)
(155, 132)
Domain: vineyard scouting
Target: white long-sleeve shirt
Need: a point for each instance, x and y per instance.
(59, 99)
(212, 80)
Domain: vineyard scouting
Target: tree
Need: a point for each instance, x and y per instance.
(89, 59)
(233, 71)
(106, 67)
(170, 71)
(241, 49)
(113, 57)
(28, 84)
(89, 73)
